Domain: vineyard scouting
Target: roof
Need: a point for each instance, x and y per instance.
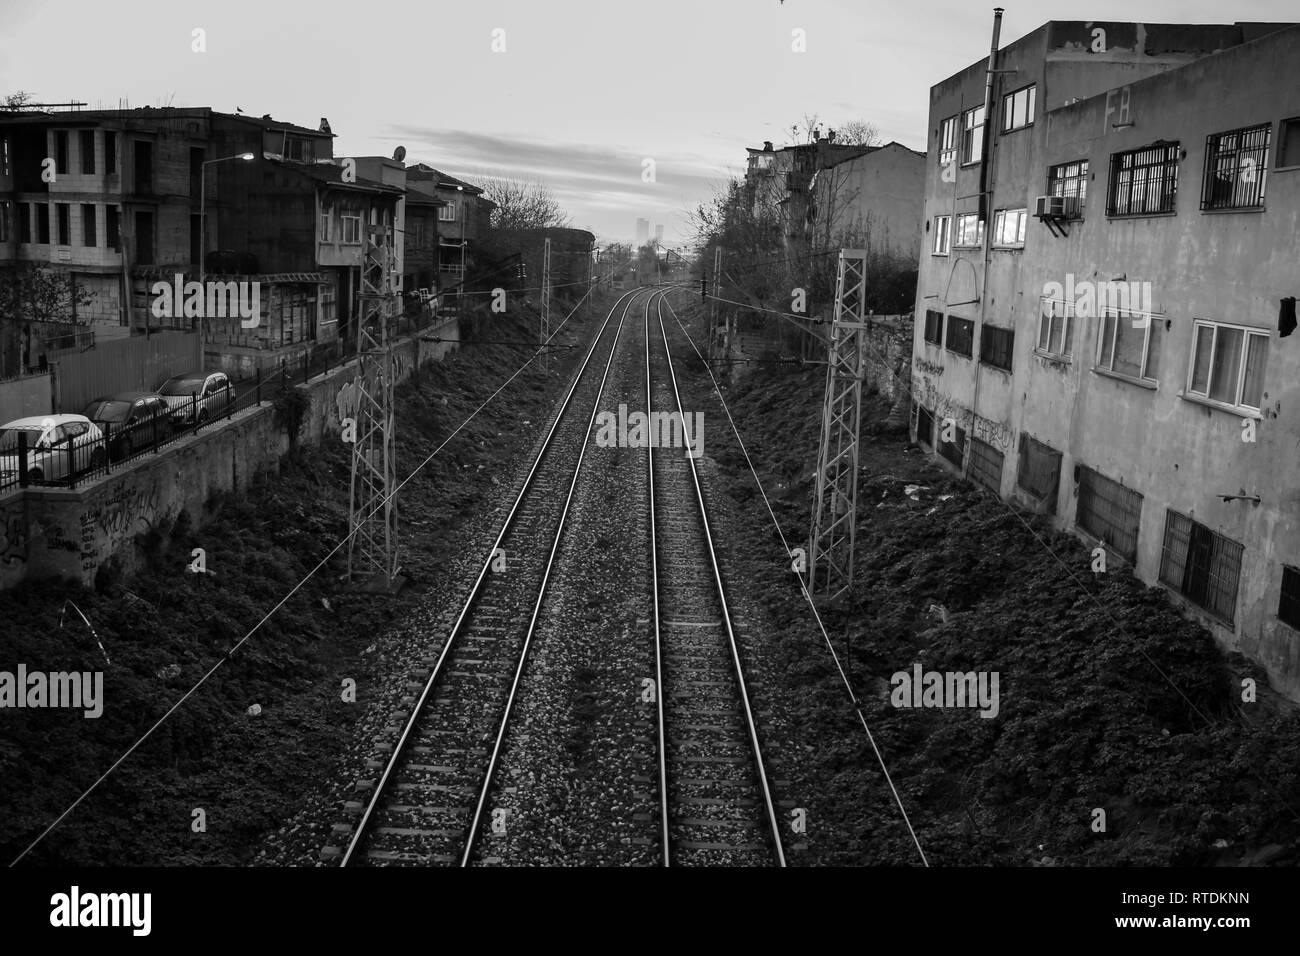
(266, 122)
(165, 113)
(444, 180)
(332, 175)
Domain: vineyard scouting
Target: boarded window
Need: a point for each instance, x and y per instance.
(924, 425)
(1109, 511)
(1039, 471)
(1288, 607)
(1201, 564)
(996, 346)
(953, 450)
(961, 335)
(934, 327)
(985, 466)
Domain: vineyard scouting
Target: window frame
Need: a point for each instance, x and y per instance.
(978, 452)
(937, 341)
(947, 336)
(1080, 178)
(1214, 150)
(1167, 182)
(62, 224)
(999, 220)
(948, 143)
(1281, 160)
(1008, 115)
(345, 219)
(449, 208)
(1282, 596)
(1067, 329)
(957, 231)
(985, 358)
(326, 221)
(1242, 359)
(87, 161)
(89, 225)
(1219, 543)
(971, 145)
(942, 230)
(1144, 378)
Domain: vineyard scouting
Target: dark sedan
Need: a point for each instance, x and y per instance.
(131, 420)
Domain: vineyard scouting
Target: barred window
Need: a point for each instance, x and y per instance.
(1039, 471)
(1202, 565)
(953, 450)
(1236, 165)
(997, 346)
(961, 335)
(985, 465)
(1069, 179)
(1109, 511)
(1288, 606)
(933, 327)
(924, 425)
(1143, 182)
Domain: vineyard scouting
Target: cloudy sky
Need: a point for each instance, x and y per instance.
(584, 92)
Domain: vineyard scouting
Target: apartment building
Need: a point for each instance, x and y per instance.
(1106, 300)
(462, 221)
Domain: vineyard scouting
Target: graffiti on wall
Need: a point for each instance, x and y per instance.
(13, 538)
(126, 508)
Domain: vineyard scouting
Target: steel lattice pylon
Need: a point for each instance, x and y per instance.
(372, 547)
(830, 551)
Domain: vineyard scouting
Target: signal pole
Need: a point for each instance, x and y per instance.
(546, 298)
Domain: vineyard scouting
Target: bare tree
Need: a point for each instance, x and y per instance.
(17, 100)
(857, 132)
(30, 296)
(523, 204)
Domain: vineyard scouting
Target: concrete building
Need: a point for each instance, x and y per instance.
(642, 232)
(1105, 305)
(871, 201)
(463, 220)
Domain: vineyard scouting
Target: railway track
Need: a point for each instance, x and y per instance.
(716, 804)
(428, 806)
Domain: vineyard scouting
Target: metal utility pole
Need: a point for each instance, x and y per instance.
(546, 298)
(713, 313)
(830, 549)
(372, 515)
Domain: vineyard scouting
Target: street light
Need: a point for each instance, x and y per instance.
(203, 234)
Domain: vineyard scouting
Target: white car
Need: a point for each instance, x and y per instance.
(58, 446)
(208, 392)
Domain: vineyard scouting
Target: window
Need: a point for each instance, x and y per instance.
(997, 346)
(933, 327)
(1108, 511)
(4, 156)
(961, 335)
(1039, 471)
(143, 238)
(1056, 328)
(1288, 605)
(970, 230)
(1018, 109)
(61, 151)
(351, 228)
(1236, 165)
(86, 142)
(985, 466)
(1009, 227)
(63, 218)
(4, 221)
(110, 151)
(25, 214)
(325, 227)
(1228, 363)
(948, 141)
(952, 451)
(112, 230)
(972, 135)
(1069, 179)
(196, 237)
(1289, 134)
(42, 222)
(88, 225)
(924, 425)
(1124, 345)
(447, 213)
(1201, 564)
(1143, 182)
(942, 229)
(299, 149)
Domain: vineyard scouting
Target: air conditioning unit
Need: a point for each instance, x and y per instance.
(1049, 207)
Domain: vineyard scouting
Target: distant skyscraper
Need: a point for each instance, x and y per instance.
(642, 231)
(659, 233)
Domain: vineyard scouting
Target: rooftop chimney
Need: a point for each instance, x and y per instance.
(767, 146)
(325, 126)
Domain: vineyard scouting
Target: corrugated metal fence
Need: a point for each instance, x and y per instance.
(24, 397)
(140, 363)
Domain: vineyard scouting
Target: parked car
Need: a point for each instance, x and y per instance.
(208, 393)
(58, 446)
(132, 420)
